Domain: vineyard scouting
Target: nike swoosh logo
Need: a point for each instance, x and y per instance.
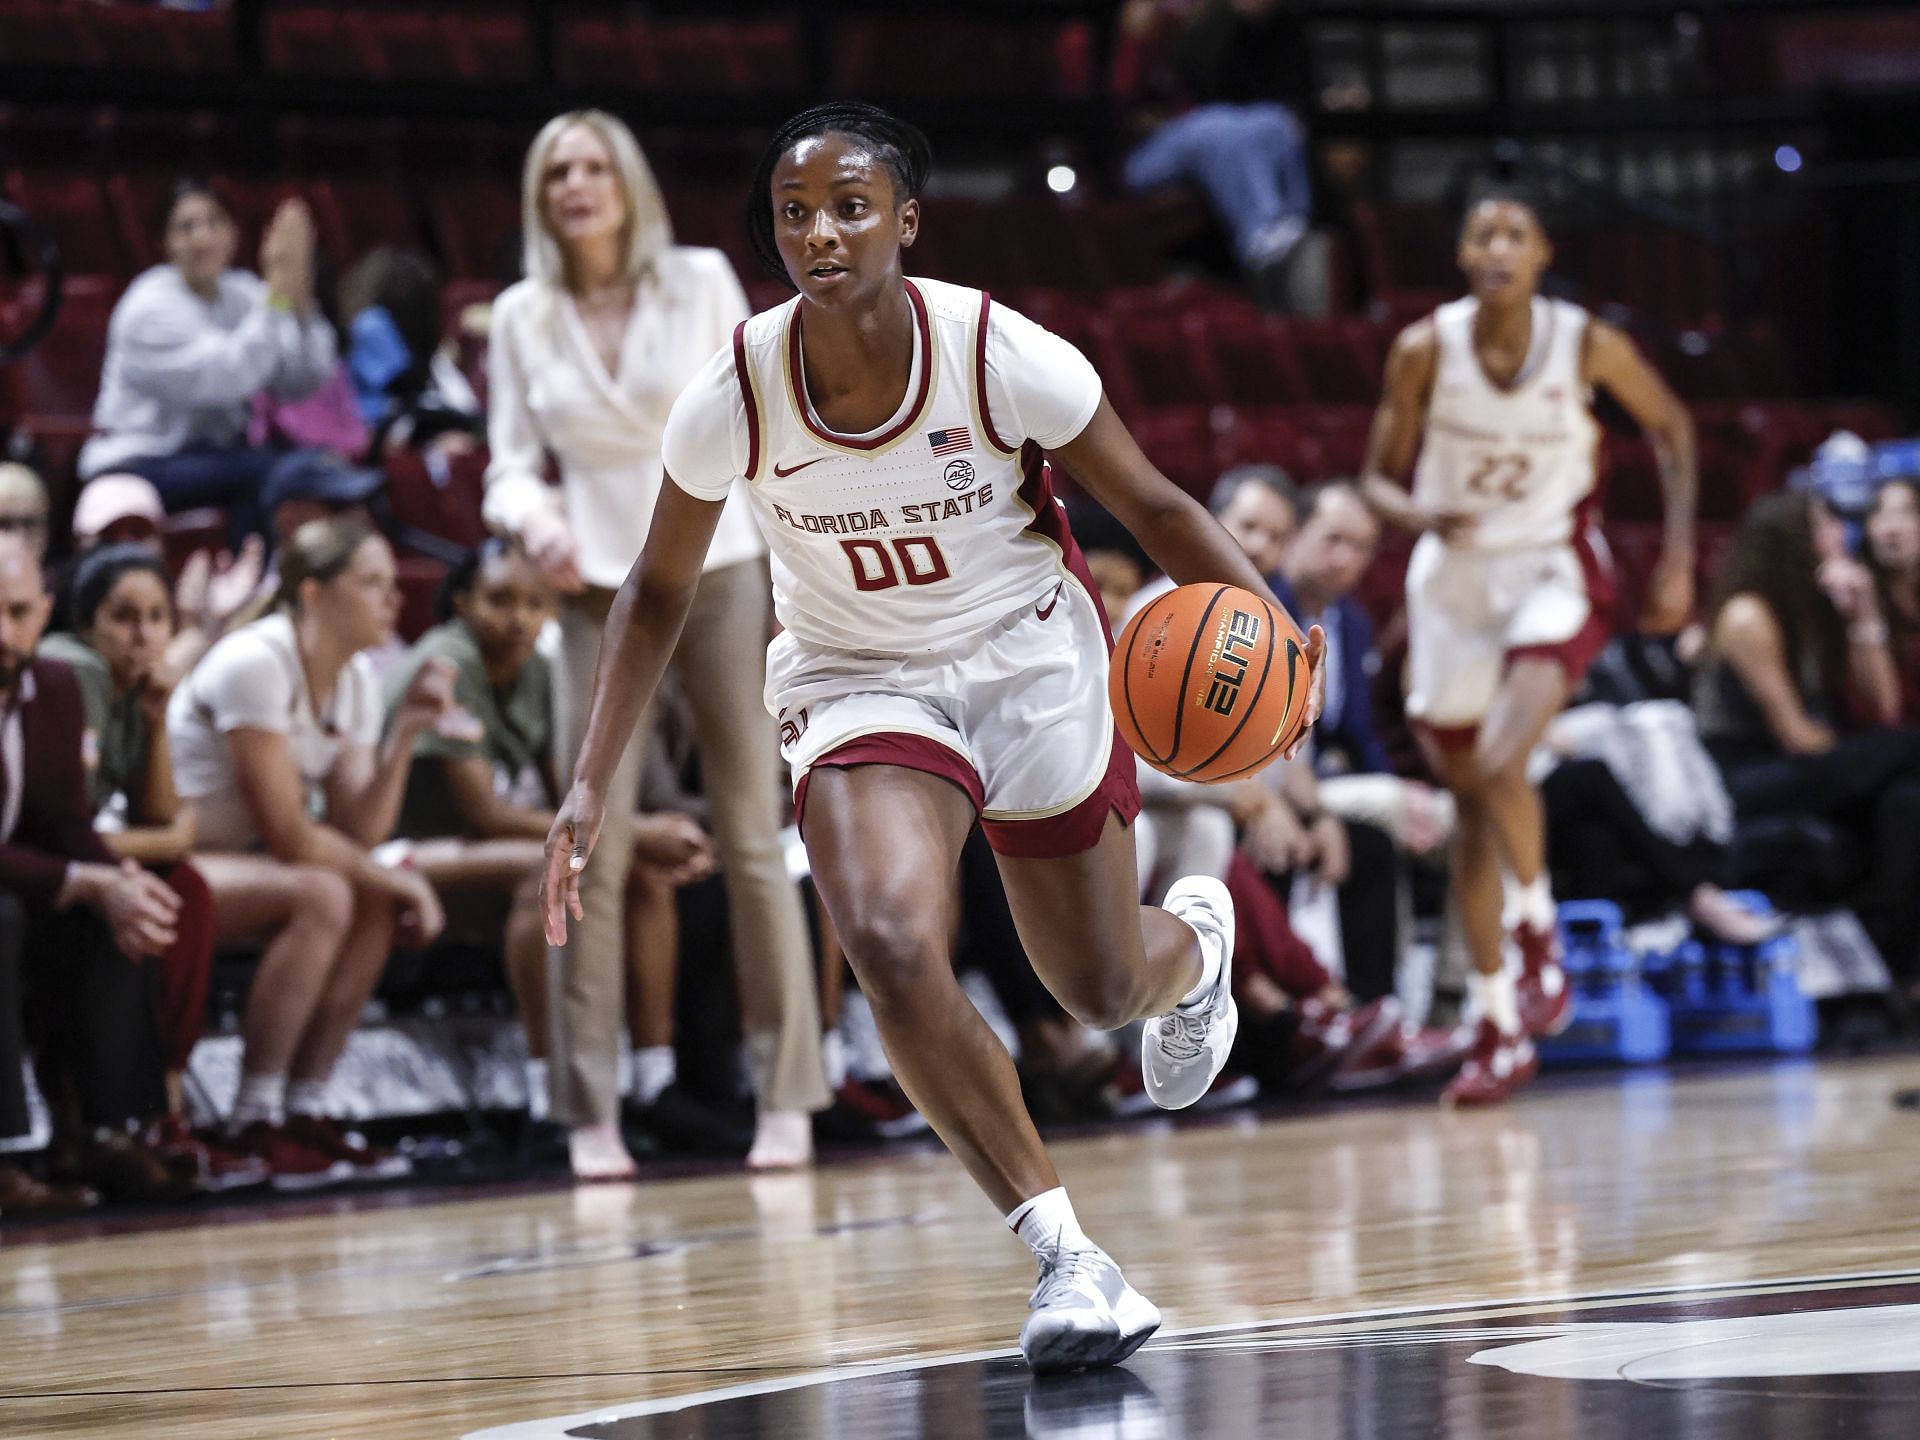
(797, 468)
(1052, 601)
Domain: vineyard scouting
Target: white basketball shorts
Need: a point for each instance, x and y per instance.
(1015, 716)
(1472, 613)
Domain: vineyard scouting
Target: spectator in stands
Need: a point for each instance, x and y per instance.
(24, 507)
(277, 749)
(190, 344)
(123, 618)
(408, 384)
(1301, 1028)
(1797, 648)
(587, 355)
(479, 804)
(303, 486)
(83, 923)
(21, 1193)
(1893, 554)
(125, 510)
(326, 418)
(1284, 820)
(1236, 73)
(119, 509)
(1259, 506)
(1323, 565)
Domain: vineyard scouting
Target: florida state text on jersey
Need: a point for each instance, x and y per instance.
(925, 531)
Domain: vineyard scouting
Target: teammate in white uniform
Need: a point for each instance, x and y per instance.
(1508, 587)
(943, 661)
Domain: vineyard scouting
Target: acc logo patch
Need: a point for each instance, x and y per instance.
(959, 474)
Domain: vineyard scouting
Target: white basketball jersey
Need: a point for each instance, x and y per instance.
(1520, 456)
(930, 529)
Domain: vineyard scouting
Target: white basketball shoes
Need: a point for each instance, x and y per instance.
(1181, 1051)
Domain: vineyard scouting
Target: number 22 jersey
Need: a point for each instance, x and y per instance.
(916, 535)
(1519, 457)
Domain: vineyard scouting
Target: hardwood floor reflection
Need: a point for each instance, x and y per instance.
(440, 1320)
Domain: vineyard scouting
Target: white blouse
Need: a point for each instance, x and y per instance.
(551, 393)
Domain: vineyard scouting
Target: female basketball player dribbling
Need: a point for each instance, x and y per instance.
(943, 662)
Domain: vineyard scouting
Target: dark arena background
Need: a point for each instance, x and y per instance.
(282, 1160)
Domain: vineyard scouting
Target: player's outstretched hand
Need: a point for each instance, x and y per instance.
(569, 844)
(1316, 686)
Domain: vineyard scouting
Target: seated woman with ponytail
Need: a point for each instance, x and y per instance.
(480, 800)
(122, 608)
(278, 754)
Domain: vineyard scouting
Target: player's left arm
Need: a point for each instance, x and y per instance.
(1176, 530)
(1614, 362)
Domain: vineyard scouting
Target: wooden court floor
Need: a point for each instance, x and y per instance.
(448, 1319)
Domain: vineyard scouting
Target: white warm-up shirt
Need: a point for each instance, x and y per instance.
(924, 531)
(182, 370)
(253, 680)
(549, 393)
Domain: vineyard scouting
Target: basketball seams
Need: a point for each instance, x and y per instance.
(1148, 641)
(1293, 649)
(1251, 700)
(1193, 649)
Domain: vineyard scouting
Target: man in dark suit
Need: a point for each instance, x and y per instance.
(79, 925)
(1324, 563)
(1386, 816)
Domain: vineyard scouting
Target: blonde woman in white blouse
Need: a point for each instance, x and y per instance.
(588, 355)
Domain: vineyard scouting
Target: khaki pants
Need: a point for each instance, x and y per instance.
(721, 661)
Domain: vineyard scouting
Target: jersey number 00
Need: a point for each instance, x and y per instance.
(884, 564)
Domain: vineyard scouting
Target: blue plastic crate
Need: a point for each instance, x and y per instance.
(1739, 999)
(1616, 1017)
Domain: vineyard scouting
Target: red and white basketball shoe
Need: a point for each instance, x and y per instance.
(1498, 1065)
(1546, 1000)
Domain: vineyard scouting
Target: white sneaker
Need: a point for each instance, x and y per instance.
(1085, 1314)
(1181, 1051)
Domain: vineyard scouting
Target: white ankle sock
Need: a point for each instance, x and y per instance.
(654, 1069)
(833, 1059)
(539, 1104)
(307, 1097)
(1210, 962)
(1528, 904)
(1046, 1222)
(261, 1097)
(1495, 997)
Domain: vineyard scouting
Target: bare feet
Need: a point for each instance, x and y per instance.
(782, 1140)
(1725, 919)
(599, 1154)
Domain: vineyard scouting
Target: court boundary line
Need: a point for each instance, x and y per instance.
(557, 1427)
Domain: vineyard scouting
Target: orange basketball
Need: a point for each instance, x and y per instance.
(1209, 682)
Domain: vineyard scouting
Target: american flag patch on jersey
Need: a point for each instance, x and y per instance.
(951, 441)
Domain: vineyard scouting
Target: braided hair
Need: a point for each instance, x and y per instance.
(896, 144)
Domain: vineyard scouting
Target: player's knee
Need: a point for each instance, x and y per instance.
(1497, 765)
(1103, 1005)
(892, 952)
(323, 898)
(1102, 1002)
